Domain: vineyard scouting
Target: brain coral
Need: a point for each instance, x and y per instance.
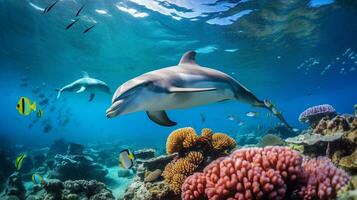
(180, 139)
(264, 173)
(175, 173)
(323, 179)
(221, 142)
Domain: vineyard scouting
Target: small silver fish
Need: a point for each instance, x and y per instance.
(251, 114)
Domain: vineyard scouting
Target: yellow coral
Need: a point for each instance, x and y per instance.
(207, 133)
(195, 157)
(180, 139)
(221, 142)
(175, 173)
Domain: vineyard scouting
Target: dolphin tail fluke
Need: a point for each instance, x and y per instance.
(270, 106)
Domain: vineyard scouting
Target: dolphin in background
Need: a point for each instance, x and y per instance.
(87, 84)
(182, 86)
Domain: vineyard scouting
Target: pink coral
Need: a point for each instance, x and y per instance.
(252, 173)
(264, 173)
(323, 179)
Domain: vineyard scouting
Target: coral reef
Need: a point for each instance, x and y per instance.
(146, 191)
(314, 114)
(79, 189)
(323, 179)
(74, 167)
(263, 173)
(193, 151)
(144, 154)
(15, 189)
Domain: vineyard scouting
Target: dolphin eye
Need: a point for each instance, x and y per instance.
(146, 84)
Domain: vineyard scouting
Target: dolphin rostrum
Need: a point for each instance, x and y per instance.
(182, 86)
(85, 83)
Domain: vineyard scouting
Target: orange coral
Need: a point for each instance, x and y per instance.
(221, 142)
(180, 139)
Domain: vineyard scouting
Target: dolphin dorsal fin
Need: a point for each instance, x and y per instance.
(188, 58)
(85, 74)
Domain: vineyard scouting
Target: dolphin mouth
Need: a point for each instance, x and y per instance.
(113, 110)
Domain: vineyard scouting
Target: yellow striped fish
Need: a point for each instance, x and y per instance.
(25, 107)
(19, 160)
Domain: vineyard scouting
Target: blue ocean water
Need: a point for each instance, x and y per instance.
(291, 52)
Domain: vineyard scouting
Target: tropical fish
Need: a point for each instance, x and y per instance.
(240, 123)
(37, 179)
(295, 130)
(88, 29)
(126, 159)
(19, 160)
(25, 107)
(203, 118)
(39, 113)
(71, 24)
(252, 114)
(79, 11)
(48, 9)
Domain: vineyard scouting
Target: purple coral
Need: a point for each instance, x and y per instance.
(316, 113)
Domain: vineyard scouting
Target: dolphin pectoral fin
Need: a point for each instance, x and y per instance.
(188, 58)
(91, 96)
(160, 117)
(181, 90)
(81, 89)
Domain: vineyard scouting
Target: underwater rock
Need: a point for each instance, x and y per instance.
(314, 114)
(6, 167)
(14, 188)
(149, 191)
(144, 154)
(349, 162)
(75, 149)
(156, 163)
(59, 146)
(79, 189)
(340, 123)
(153, 176)
(75, 167)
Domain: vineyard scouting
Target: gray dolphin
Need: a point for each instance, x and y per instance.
(182, 86)
(85, 83)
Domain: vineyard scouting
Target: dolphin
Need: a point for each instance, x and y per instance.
(85, 83)
(177, 87)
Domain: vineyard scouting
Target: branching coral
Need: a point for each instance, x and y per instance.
(180, 139)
